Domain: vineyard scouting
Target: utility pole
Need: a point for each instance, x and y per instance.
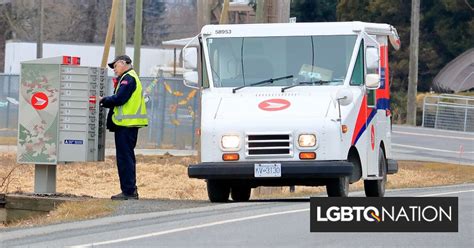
(204, 13)
(283, 13)
(120, 26)
(260, 15)
(413, 66)
(110, 32)
(225, 13)
(39, 41)
(138, 35)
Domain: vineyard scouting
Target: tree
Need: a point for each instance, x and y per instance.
(154, 29)
(314, 10)
(445, 32)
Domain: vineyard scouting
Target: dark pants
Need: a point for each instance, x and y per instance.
(125, 142)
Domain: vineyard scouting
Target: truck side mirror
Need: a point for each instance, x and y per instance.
(189, 53)
(344, 96)
(372, 81)
(191, 79)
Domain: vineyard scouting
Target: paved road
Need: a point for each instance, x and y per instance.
(283, 223)
(427, 144)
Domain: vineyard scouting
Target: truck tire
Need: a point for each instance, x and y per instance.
(376, 188)
(217, 191)
(357, 172)
(338, 187)
(240, 194)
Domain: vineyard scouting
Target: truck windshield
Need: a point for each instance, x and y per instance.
(239, 61)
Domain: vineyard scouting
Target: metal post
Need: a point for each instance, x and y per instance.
(465, 115)
(437, 112)
(423, 114)
(154, 108)
(39, 41)
(7, 119)
(163, 117)
(174, 63)
(151, 98)
(45, 179)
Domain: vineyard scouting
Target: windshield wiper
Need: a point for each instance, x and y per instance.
(320, 82)
(271, 80)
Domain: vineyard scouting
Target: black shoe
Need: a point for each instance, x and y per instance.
(122, 197)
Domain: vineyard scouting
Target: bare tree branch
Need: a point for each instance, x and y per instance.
(5, 181)
(469, 5)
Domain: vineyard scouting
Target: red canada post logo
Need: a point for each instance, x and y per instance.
(274, 104)
(39, 100)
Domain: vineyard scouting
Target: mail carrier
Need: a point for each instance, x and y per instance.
(294, 104)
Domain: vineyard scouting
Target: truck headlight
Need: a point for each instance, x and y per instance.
(307, 140)
(230, 141)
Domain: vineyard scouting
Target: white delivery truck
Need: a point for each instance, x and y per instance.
(294, 104)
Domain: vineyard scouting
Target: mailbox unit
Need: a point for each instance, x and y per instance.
(59, 117)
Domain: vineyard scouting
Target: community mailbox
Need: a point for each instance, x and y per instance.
(59, 115)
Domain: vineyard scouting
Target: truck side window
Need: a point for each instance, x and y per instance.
(371, 98)
(358, 73)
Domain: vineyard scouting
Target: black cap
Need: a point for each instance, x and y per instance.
(121, 57)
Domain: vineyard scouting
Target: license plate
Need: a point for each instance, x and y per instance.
(267, 170)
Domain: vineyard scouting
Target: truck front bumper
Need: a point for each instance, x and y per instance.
(289, 170)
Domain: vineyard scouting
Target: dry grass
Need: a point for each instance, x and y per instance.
(71, 211)
(8, 141)
(425, 174)
(166, 177)
(157, 177)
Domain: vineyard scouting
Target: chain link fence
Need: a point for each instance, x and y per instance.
(8, 104)
(172, 112)
(449, 112)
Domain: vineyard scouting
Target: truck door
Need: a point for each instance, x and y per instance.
(371, 52)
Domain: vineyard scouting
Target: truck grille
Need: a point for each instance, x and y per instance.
(269, 145)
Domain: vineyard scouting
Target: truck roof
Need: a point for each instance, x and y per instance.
(300, 29)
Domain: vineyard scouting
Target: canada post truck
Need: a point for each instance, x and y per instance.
(294, 104)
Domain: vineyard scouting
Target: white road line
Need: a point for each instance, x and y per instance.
(433, 135)
(430, 149)
(190, 228)
(448, 193)
(225, 222)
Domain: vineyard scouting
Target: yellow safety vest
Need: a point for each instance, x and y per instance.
(133, 112)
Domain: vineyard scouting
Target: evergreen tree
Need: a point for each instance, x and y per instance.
(314, 10)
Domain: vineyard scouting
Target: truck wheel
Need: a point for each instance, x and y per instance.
(217, 191)
(240, 194)
(357, 172)
(338, 187)
(376, 188)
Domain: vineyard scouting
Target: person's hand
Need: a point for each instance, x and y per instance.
(100, 98)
